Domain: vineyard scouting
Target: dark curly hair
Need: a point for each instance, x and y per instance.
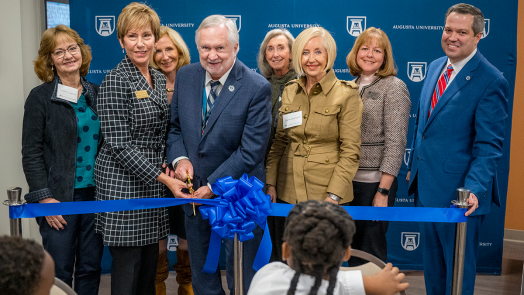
(21, 263)
(318, 234)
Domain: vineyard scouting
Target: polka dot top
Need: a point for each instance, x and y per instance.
(88, 134)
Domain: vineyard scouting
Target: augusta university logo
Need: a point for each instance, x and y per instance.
(485, 32)
(236, 20)
(407, 155)
(410, 241)
(105, 25)
(356, 25)
(417, 71)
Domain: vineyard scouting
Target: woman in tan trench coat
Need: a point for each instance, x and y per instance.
(316, 149)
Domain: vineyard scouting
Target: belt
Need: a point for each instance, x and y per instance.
(304, 150)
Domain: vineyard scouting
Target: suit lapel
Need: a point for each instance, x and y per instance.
(159, 95)
(463, 77)
(428, 91)
(139, 82)
(195, 103)
(230, 88)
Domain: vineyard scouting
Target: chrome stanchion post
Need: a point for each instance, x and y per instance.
(460, 244)
(238, 253)
(14, 195)
(522, 284)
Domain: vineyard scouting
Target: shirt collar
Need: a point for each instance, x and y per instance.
(460, 64)
(222, 79)
(325, 83)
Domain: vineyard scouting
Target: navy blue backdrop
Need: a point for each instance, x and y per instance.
(414, 28)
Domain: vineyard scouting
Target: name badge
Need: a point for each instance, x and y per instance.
(67, 93)
(292, 120)
(141, 94)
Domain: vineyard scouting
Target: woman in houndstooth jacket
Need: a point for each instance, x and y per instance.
(384, 127)
(134, 115)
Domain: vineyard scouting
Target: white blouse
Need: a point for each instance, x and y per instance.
(275, 278)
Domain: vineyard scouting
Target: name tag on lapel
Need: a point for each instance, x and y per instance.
(372, 95)
(141, 94)
(67, 93)
(292, 120)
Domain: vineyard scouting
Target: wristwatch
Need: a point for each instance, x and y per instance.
(334, 197)
(383, 191)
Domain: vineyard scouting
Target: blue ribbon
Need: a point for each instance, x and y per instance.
(86, 207)
(409, 214)
(242, 205)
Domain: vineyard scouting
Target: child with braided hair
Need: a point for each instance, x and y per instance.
(317, 240)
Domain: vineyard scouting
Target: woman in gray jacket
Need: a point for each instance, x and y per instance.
(384, 127)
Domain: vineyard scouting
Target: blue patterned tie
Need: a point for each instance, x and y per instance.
(210, 101)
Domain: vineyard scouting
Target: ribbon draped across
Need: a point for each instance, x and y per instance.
(407, 214)
(242, 205)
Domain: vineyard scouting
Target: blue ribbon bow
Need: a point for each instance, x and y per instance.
(241, 206)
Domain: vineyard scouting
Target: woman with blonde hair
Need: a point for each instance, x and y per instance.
(384, 128)
(134, 115)
(316, 149)
(171, 53)
(60, 141)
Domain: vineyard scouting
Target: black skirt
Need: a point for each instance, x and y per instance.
(176, 215)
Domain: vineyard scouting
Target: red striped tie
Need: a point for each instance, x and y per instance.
(440, 87)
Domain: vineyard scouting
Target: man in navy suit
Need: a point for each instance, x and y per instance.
(457, 142)
(220, 126)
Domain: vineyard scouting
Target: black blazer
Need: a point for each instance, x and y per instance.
(49, 138)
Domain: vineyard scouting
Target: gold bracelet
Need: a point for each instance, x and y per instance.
(170, 89)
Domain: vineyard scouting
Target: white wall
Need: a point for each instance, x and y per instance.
(21, 23)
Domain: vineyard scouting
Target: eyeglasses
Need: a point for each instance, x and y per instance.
(73, 49)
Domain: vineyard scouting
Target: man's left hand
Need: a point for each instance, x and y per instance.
(472, 200)
(204, 192)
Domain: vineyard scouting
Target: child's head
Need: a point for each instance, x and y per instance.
(25, 267)
(317, 238)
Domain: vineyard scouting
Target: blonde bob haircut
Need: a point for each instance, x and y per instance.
(301, 41)
(263, 65)
(180, 45)
(50, 38)
(370, 34)
(137, 16)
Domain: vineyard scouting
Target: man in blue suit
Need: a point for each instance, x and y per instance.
(220, 126)
(457, 142)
